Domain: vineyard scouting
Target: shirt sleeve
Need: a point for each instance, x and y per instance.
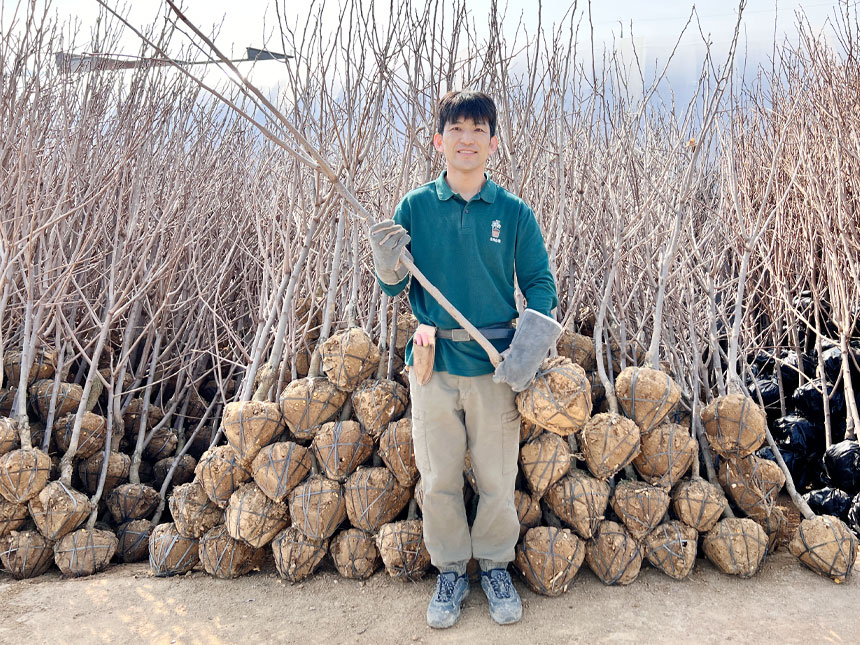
(532, 265)
(402, 217)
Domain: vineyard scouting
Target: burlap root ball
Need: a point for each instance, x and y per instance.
(26, 554)
(182, 474)
(7, 397)
(133, 413)
(12, 516)
(296, 555)
(69, 396)
(752, 482)
(90, 470)
(396, 451)
(10, 439)
(640, 506)
(578, 348)
(736, 546)
(58, 510)
(308, 403)
(528, 430)
(401, 547)
(528, 510)
(548, 559)
(735, 425)
(220, 472)
(544, 461)
(280, 467)
(226, 558)
(825, 545)
(23, 474)
(43, 366)
(349, 357)
(250, 425)
(354, 554)
(91, 438)
(192, 510)
(609, 443)
(407, 323)
(613, 555)
(317, 507)
(671, 548)
(579, 501)
(559, 397)
(133, 540)
(374, 498)
(698, 503)
(171, 554)
(163, 444)
(253, 517)
(84, 552)
(377, 403)
(665, 455)
(646, 395)
(774, 526)
(340, 447)
(132, 502)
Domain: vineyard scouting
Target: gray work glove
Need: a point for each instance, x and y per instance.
(387, 240)
(534, 337)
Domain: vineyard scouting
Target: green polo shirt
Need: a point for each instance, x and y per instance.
(470, 251)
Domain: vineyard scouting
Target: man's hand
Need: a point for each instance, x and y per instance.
(387, 241)
(534, 337)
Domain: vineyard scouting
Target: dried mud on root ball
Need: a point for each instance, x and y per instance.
(544, 461)
(671, 548)
(23, 474)
(528, 510)
(374, 498)
(10, 439)
(665, 454)
(397, 452)
(349, 357)
(132, 415)
(640, 506)
(192, 511)
(224, 557)
(752, 482)
(609, 443)
(69, 396)
(354, 554)
(7, 397)
(401, 547)
(735, 425)
(59, 510)
(250, 425)
(44, 365)
(825, 545)
(171, 554)
(775, 526)
(163, 444)
(578, 348)
(26, 554)
(221, 473)
(736, 546)
(132, 502)
(613, 555)
(12, 516)
(698, 503)
(91, 439)
(296, 555)
(317, 507)
(559, 397)
(646, 395)
(579, 500)
(407, 323)
(280, 467)
(548, 558)
(308, 403)
(133, 540)
(379, 402)
(182, 474)
(84, 552)
(528, 430)
(253, 517)
(90, 470)
(340, 447)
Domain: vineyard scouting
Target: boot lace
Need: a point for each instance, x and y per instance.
(445, 587)
(500, 581)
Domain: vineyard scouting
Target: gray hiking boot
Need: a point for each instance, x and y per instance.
(505, 604)
(444, 608)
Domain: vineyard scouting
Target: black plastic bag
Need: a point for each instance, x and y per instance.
(842, 466)
(798, 434)
(854, 515)
(796, 463)
(832, 361)
(829, 501)
(808, 399)
(789, 368)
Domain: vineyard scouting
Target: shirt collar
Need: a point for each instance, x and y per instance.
(488, 191)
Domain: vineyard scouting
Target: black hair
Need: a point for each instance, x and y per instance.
(467, 104)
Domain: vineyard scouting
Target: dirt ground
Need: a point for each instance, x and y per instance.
(784, 603)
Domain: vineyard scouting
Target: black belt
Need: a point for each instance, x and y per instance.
(490, 333)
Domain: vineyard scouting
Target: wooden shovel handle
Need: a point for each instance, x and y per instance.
(495, 357)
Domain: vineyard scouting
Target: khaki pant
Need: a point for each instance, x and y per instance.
(450, 415)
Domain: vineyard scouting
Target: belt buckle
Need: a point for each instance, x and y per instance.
(460, 335)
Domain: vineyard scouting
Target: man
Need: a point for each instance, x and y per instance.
(470, 238)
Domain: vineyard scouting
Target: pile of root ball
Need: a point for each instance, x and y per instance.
(326, 473)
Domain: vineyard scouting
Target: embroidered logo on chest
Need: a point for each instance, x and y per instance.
(496, 231)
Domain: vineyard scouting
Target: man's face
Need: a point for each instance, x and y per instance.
(466, 145)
